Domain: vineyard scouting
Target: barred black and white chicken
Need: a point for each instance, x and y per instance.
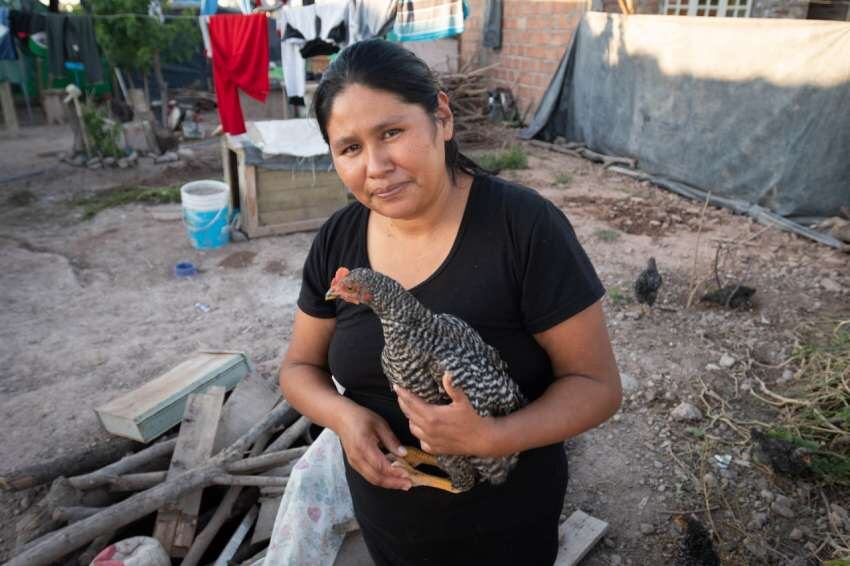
(419, 347)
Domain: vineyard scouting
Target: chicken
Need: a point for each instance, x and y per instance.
(732, 296)
(781, 455)
(647, 285)
(695, 547)
(419, 347)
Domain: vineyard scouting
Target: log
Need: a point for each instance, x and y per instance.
(556, 148)
(237, 538)
(58, 544)
(39, 519)
(96, 546)
(83, 461)
(607, 160)
(249, 481)
(290, 435)
(126, 464)
(266, 461)
(222, 514)
(137, 482)
(74, 513)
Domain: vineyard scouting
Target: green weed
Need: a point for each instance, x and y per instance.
(21, 197)
(92, 204)
(606, 235)
(511, 158)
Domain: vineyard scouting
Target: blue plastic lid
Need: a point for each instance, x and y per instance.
(185, 269)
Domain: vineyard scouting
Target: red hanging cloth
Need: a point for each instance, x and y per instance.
(240, 46)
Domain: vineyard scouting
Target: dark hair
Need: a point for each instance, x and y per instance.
(383, 65)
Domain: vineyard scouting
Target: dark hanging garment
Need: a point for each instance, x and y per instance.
(492, 30)
(80, 40)
(7, 40)
(56, 44)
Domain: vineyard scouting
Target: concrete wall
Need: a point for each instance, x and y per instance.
(779, 9)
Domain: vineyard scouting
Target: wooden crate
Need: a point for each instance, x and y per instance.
(280, 194)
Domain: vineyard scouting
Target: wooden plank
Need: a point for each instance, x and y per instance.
(148, 411)
(296, 214)
(331, 202)
(287, 227)
(578, 534)
(176, 523)
(300, 193)
(265, 520)
(250, 401)
(10, 117)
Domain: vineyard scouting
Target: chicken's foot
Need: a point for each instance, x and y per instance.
(416, 457)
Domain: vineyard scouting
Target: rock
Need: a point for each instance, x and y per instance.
(767, 495)
(609, 542)
(758, 521)
(655, 223)
(710, 480)
(830, 285)
(133, 157)
(93, 161)
(783, 500)
(782, 509)
(615, 560)
(78, 160)
(650, 395)
(726, 361)
(712, 367)
(796, 534)
(109, 161)
(123, 163)
(686, 412)
(167, 157)
(629, 383)
(186, 153)
(787, 376)
(646, 529)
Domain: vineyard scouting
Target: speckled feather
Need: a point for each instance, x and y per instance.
(420, 346)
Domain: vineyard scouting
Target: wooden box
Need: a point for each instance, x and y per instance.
(280, 194)
(155, 407)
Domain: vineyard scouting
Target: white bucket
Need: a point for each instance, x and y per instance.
(206, 213)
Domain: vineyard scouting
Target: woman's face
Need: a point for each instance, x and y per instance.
(389, 153)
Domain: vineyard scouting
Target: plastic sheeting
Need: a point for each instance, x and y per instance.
(753, 111)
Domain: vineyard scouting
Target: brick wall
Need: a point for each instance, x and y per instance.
(534, 36)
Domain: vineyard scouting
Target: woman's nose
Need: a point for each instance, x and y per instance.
(379, 162)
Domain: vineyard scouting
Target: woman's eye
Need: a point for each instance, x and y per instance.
(392, 133)
(350, 149)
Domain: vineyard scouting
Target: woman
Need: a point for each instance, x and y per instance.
(495, 254)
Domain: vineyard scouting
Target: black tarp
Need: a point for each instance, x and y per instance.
(753, 111)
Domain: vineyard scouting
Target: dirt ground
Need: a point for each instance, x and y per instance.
(90, 309)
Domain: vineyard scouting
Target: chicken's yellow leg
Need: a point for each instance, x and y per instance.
(415, 457)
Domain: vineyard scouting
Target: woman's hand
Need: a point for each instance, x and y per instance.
(361, 432)
(448, 429)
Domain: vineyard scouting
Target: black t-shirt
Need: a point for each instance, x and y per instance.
(516, 268)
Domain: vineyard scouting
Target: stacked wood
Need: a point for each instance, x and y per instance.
(245, 444)
(469, 101)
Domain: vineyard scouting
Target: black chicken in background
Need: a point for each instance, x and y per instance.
(731, 296)
(695, 546)
(782, 456)
(647, 285)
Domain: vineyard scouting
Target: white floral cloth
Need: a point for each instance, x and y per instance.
(315, 501)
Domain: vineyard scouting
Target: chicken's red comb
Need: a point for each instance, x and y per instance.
(341, 273)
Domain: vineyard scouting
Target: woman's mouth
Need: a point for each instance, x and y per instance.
(390, 191)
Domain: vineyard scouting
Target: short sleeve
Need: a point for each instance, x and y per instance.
(557, 278)
(315, 279)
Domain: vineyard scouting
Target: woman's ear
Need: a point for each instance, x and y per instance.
(444, 116)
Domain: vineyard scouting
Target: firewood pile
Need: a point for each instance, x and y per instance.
(157, 491)
(468, 97)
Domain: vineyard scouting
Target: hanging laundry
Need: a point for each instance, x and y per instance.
(319, 28)
(7, 44)
(370, 18)
(71, 38)
(296, 24)
(492, 29)
(240, 46)
(25, 24)
(420, 20)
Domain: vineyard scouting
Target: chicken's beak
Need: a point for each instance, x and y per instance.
(331, 295)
